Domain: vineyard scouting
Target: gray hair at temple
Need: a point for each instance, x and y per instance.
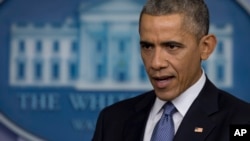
(196, 14)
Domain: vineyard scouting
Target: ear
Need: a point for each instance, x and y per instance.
(207, 46)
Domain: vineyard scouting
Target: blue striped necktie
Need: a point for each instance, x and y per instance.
(164, 129)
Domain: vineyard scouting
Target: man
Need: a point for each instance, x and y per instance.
(174, 40)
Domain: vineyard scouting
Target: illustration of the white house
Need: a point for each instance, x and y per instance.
(245, 4)
(98, 50)
(9, 131)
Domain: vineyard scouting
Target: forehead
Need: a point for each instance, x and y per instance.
(163, 28)
(163, 24)
(151, 22)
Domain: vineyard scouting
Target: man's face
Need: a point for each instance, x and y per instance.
(171, 54)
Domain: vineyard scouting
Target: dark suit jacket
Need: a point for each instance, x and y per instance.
(213, 110)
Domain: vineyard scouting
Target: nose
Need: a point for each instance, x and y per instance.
(159, 60)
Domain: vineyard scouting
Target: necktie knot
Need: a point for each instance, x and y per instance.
(169, 109)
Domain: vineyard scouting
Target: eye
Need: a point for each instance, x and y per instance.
(146, 45)
(172, 45)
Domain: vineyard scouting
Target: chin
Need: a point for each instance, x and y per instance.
(166, 96)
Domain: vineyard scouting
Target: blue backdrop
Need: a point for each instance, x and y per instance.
(62, 61)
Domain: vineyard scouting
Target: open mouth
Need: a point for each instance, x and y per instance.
(163, 78)
(162, 82)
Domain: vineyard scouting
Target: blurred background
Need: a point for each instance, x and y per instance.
(62, 61)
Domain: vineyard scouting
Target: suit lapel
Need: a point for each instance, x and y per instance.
(197, 123)
(199, 116)
(135, 125)
(194, 128)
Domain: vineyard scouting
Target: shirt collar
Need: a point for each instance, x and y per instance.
(184, 100)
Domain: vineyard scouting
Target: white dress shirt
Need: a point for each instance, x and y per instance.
(181, 103)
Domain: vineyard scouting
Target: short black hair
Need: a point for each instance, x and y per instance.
(196, 14)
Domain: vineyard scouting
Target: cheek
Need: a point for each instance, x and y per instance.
(145, 59)
(188, 69)
(188, 58)
(184, 65)
(146, 65)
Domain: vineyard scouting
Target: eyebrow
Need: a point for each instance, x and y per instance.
(167, 43)
(146, 43)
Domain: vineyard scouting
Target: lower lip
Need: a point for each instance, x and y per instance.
(162, 83)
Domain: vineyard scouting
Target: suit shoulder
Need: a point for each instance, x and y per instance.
(228, 98)
(238, 107)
